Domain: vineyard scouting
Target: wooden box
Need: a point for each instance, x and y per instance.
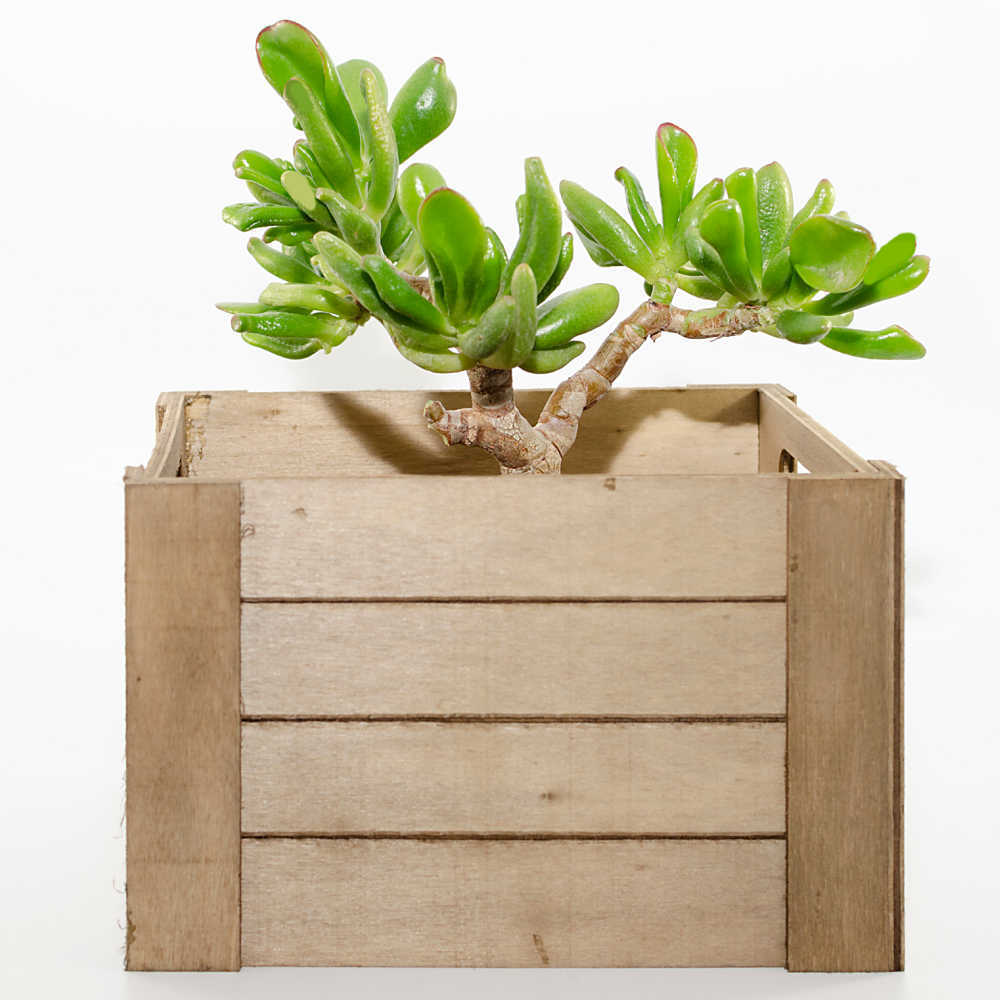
(386, 707)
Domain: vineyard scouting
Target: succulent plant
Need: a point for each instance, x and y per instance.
(348, 236)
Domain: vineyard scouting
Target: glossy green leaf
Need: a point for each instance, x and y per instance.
(259, 162)
(721, 226)
(328, 330)
(777, 275)
(415, 183)
(495, 326)
(698, 286)
(639, 209)
(710, 192)
(281, 265)
(302, 192)
(423, 108)
(891, 257)
(802, 327)
(290, 236)
(599, 223)
(249, 308)
(380, 148)
(890, 344)
(309, 296)
(595, 251)
(306, 163)
(326, 145)
(524, 291)
(903, 281)
(394, 229)
(494, 263)
(562, 266)
(286, 50)
(350, 79)
(819, 203)
(400, 296)
(774, 210)
(541, 230)
(831, 254)
(706, 258)
(417, 339)
(342, 264)
(544, 362)
(356, 227)
(574, 313)
(248, 216)
(741, 185)
(676, 167)
(443, 362)
(453, 235)
(294, 350)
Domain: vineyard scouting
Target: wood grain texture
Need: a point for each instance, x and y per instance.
(182, 726)
(513, 903)
(784, 427)
(844, 725)
(251, 435)
(457, 777)
(397, 659)
(515, 537)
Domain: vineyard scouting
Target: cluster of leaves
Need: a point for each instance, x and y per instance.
(739, 241)
(354, 233)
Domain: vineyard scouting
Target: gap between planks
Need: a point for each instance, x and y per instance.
(504, 835)
(525, 719)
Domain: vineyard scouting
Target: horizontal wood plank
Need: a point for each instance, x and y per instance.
(392, 658)
(456, 777)
(515, 537)
(514, 903)
(245, 435)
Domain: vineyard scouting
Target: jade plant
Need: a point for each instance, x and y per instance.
(352, 232)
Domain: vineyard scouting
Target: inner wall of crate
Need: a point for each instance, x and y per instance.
(245, 435)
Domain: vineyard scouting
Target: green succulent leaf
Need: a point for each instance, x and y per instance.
(302, 192)
(600, 225)
(819, 203)
(342, 264)
(891, 344)
(328, 330)
(778, 275)
(259, 162)
(305, 162)
(494, 327)
(706, 258)
(676, 167)
(416, 182)
(721, 226)
(350, 79)
(774, 210)
(380, 147)
(286, 50)
(356, 227)
(281, 265)
(540, 238)
(544, 362)
(294, 350)
(802, 327)
(831, 254)
(442, 362)
(902, 281)
(494, 264)
(290, 236)
(574, 313)
(890, 258)
(639, 209)
(326, 145)
(423, 108)
(310, 297)
(454, 238)
(698, 286)
(401, 297)
(562, 266)
(741, 185)
(247, 216)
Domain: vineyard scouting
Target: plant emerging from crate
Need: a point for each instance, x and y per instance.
(349, 236)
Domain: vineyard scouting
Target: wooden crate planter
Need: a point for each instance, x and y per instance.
(661, 728)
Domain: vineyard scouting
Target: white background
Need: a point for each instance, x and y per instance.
(120, 121)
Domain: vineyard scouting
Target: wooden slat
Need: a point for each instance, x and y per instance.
(784, 427)
(457, 777)
(515, 537)
(182, 725)
(246, 435)
(844, 724)
(397, 659)
(513, 903)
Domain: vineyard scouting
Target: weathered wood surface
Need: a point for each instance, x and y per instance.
(400, 659)
(457, 777)
(515, 537)
(514, 903)
(250, 435)
(182, 726)
(784, 427)
(844, 724)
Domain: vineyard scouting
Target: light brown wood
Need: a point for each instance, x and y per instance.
(248, 435)
(165, 460)
(513, 903)
(182, 726)
(397, 659)
(784, 427)
(457, 777)
(844, 724)
(515, 537)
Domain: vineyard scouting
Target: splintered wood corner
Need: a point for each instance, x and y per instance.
(385, 707)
